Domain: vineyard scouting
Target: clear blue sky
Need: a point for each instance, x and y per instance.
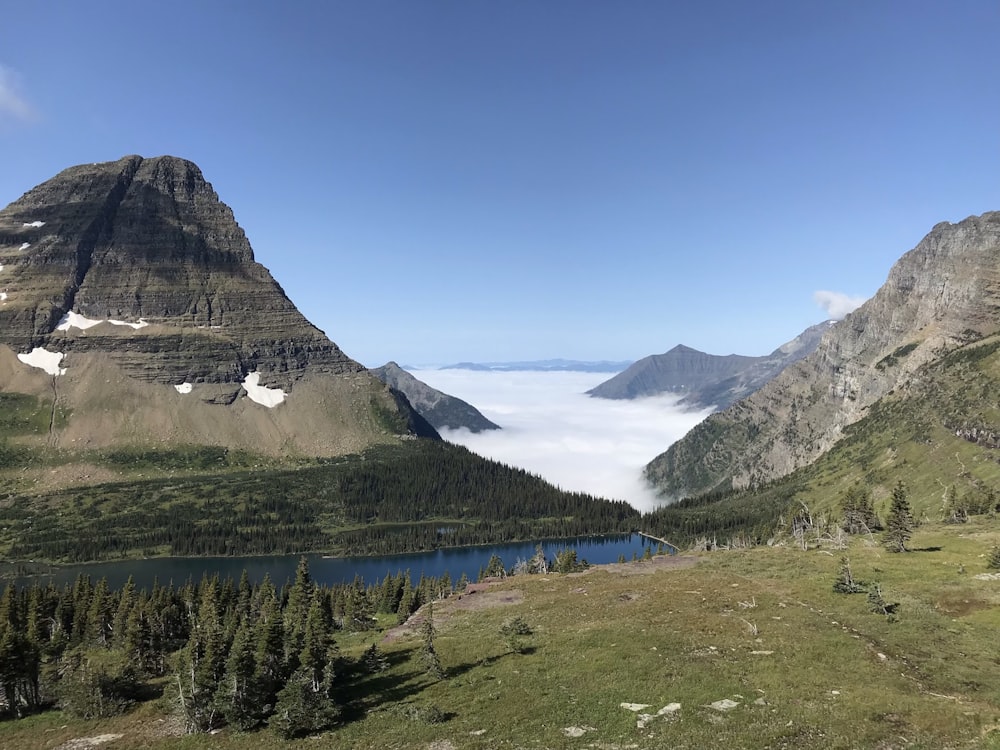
(442, 181)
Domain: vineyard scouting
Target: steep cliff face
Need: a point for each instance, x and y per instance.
(135, 272)
(441, 410)
(941, 295)
(148, 240)
(706, 380)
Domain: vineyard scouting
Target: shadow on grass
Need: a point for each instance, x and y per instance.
(926, 549)
(393, 690)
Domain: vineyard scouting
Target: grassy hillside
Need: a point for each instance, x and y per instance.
(801, 665)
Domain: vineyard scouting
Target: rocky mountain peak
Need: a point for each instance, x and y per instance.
(133, 276)
(942, 294)
(149, 240)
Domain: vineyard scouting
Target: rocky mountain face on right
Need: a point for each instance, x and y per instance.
(940, 298)
(444, 412)
(707, 381)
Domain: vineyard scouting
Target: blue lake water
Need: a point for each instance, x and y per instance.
(332, 570)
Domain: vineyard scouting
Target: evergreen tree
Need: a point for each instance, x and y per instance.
(126, 601)
(300, 710)
(20, 658)
(955, 510)
(82, 591)
(858, 511)
(299, 597)
(240, 698)
(374, 660)
(101, 614)
(845, 583)
(428, 652)
(406, 600)
(269, 654)
(202, 662)
(315, 657)
(141, 648)
(495, 568)
(899, 523)
(994, 559)
(514, 631)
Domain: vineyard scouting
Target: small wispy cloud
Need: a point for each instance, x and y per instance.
(13, 106)
(837, 304)
(551, 428)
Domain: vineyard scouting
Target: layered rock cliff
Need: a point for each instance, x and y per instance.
(939, 296)
(130, 292)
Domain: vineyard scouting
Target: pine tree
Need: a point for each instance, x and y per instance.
(300, 710)
(374, 660)
(899, 523)
(137, 639)
(299, 597)
(126, 601)
(240, 698)
(994, 558)
(858, 511)
(315, 656)
(845, 583)
(406, 601)
(202, 662)
(428, 652)
(269, 637)
(20, 658)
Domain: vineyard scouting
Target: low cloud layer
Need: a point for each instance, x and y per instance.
(552, 429)
(837, 304)
(13, 106)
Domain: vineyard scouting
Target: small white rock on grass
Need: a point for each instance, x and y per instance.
(724, 705)
(635, 706)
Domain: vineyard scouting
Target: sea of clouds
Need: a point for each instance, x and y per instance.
(553, 429)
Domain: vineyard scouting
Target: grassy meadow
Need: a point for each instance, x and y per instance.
(800, 665)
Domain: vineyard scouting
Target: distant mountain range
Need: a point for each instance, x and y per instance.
(440, 409)
(543, 365)
(707, 380)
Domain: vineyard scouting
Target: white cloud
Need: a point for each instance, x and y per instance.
(12, 105)
(837, 304)
(551, 428)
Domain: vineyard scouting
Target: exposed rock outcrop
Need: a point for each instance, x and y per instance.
(941, 295)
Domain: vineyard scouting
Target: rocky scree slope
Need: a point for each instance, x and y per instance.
(940, 296)
(706, 381)
(131, 296)
(438, 408)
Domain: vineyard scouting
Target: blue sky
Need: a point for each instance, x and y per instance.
(441, 181)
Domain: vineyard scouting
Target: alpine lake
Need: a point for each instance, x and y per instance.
(455, 561)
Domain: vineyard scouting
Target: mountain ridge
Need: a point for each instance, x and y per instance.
(939, 296)
(442, 410)
(132, 301)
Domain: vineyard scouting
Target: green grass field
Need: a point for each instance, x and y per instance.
(762, 628)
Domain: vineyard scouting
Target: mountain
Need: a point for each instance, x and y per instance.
(440, 409)
(939, 305)
(543, 365)
(133, 311)
(706, 381)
